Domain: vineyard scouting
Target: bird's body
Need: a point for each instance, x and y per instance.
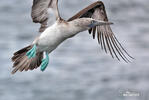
(52, 37)
(54, 30)
(56, 34)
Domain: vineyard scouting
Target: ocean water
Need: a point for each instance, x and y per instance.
(78, 68)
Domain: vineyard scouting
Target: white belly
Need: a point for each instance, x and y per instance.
(52, 37)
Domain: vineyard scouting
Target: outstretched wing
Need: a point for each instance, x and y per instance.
(43, 12)
(105, 36)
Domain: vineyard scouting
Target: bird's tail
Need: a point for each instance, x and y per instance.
(22, 62)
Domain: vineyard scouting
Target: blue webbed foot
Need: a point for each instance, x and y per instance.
(31, 53)
(44, 63)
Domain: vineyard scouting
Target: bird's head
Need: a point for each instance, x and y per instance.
(87, 23)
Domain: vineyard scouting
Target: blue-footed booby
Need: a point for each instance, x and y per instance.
(54, 30)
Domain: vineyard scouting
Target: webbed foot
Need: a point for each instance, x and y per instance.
(31, 53)
(45, 62)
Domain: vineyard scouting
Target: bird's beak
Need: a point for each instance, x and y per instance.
(102, 23)
(99, 23)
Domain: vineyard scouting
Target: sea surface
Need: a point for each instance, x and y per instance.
(78, 68)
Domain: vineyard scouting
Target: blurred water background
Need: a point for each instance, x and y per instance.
(78, 69)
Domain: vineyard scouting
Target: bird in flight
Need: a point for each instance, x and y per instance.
(54, 30)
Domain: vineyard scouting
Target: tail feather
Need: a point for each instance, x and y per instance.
(20, 53)
(21, 62)
(25, 65)
(23, 50)
(18, 59)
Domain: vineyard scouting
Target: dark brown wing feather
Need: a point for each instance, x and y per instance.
(105, 36)
(40, 12)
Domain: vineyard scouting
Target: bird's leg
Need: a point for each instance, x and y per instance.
(45, 62)
(32, 52)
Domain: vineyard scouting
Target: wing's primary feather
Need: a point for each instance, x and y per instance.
(105, 36)
(40, 12)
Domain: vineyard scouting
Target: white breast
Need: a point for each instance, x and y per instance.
(56, 34)
(53, 36)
